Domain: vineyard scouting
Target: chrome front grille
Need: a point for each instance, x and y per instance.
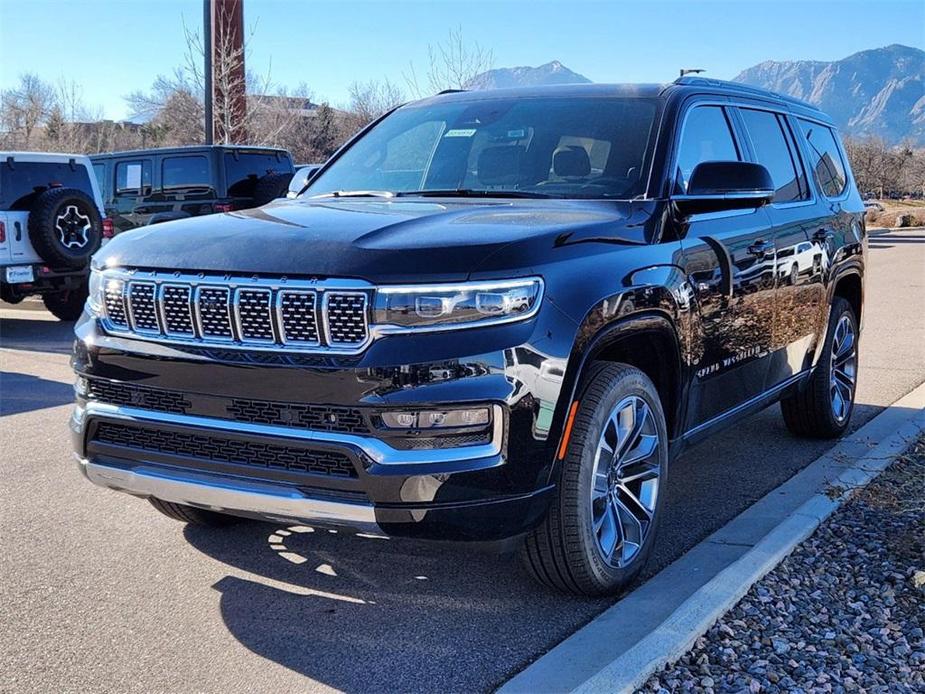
(255, 313)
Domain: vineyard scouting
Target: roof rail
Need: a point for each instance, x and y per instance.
(743, 88)
(451, 91)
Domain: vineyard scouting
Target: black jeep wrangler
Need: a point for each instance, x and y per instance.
(149, 186)
(492, 316)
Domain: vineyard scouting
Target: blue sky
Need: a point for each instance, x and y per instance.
(112, 47)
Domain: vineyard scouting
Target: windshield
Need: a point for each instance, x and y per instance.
(536, 147)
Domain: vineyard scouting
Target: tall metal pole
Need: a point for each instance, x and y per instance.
(207, 68)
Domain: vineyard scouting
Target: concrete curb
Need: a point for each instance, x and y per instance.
(660, 621)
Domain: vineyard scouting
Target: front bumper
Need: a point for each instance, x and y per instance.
(491, 490)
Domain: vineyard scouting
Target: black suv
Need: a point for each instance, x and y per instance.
(492, 316)
(148, 186)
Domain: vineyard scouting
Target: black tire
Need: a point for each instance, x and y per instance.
(65, 227)
(192, 515)
(270, 187)
(794, 275)
(66, 305)
(810, 412)
(564, 552)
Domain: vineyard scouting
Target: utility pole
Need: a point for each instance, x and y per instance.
(207, 68)
(225, 95)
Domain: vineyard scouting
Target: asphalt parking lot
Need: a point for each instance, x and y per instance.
(99, 592)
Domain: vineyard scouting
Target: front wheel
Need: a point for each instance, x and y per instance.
(600, 529)
(822, 409)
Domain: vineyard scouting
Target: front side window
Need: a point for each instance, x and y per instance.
(585, 147)
(825, 158)
(186, 173)
(706, 136)
(770, 139)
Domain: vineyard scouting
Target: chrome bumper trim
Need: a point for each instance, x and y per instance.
(378, 451)
(230, 495)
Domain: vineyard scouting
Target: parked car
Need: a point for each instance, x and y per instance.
(496, 316)
(149, 186)
(299, 180)
(51, 222)
(873, 205)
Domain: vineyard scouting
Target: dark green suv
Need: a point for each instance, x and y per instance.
(148, 186)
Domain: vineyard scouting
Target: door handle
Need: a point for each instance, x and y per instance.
(761, 247)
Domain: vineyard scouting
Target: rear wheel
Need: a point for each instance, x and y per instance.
(192, 515)
(66, 305)
(601, 527)
(823, 408)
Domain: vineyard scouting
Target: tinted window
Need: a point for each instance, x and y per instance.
(825, 158)
(100, 171)
(243, 169)
(20, 185)
(133, 176)
(772, 143)
(706, 137)
(555, 146)
(186, 172)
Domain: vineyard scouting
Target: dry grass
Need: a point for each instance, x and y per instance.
(898, 213)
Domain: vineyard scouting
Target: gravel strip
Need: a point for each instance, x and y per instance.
(844, 612)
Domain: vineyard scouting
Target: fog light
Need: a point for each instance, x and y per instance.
(436, 419)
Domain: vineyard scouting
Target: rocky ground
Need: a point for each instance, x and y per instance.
(844, 612)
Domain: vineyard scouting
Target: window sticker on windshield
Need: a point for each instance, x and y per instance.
(460, 132)
(516, 134)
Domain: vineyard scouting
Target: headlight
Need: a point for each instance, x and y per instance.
(95, 293)
(410, 308)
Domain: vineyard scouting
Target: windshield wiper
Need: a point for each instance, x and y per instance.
(471, 193)
(356, 194)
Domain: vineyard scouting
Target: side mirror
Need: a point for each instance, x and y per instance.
(716, 186)
(301, 178)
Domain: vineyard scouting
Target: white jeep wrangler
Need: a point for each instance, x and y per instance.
(51, 222)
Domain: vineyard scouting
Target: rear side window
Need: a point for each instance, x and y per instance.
(825, 158)
(243, 169)
(133, 177)
(706, 136)
(188, 172)
(770, 137)
(25, 181)
(100, 171)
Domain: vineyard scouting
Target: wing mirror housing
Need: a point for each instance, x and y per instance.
(301, 178)
(717, 186)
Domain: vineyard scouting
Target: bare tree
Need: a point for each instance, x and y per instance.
(369, 100)
(23, 109)
(452, 64)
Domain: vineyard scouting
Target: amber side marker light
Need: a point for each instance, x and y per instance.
(563, 447)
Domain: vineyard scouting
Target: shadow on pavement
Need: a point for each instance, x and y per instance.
(36, 335)
(25, 393)
(360, 613)
(372, 614)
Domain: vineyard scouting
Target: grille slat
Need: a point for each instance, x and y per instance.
(346, 318)
(255, 321)
(177, 309)
(143, 306)
(228, 312)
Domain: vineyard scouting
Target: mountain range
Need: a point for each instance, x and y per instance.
(878, 92)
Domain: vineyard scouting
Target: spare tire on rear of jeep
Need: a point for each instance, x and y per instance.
(270, 187)
(65, 227)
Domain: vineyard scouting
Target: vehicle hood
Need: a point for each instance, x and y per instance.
(380, 241)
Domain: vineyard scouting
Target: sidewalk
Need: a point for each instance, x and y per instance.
(844, 612)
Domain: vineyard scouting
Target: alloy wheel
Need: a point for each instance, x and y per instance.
(72, 226)
(844, 368)
(625, 483)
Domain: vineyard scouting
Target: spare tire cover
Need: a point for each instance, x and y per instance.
(65, 227)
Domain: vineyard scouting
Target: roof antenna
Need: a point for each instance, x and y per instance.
(691, 71)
